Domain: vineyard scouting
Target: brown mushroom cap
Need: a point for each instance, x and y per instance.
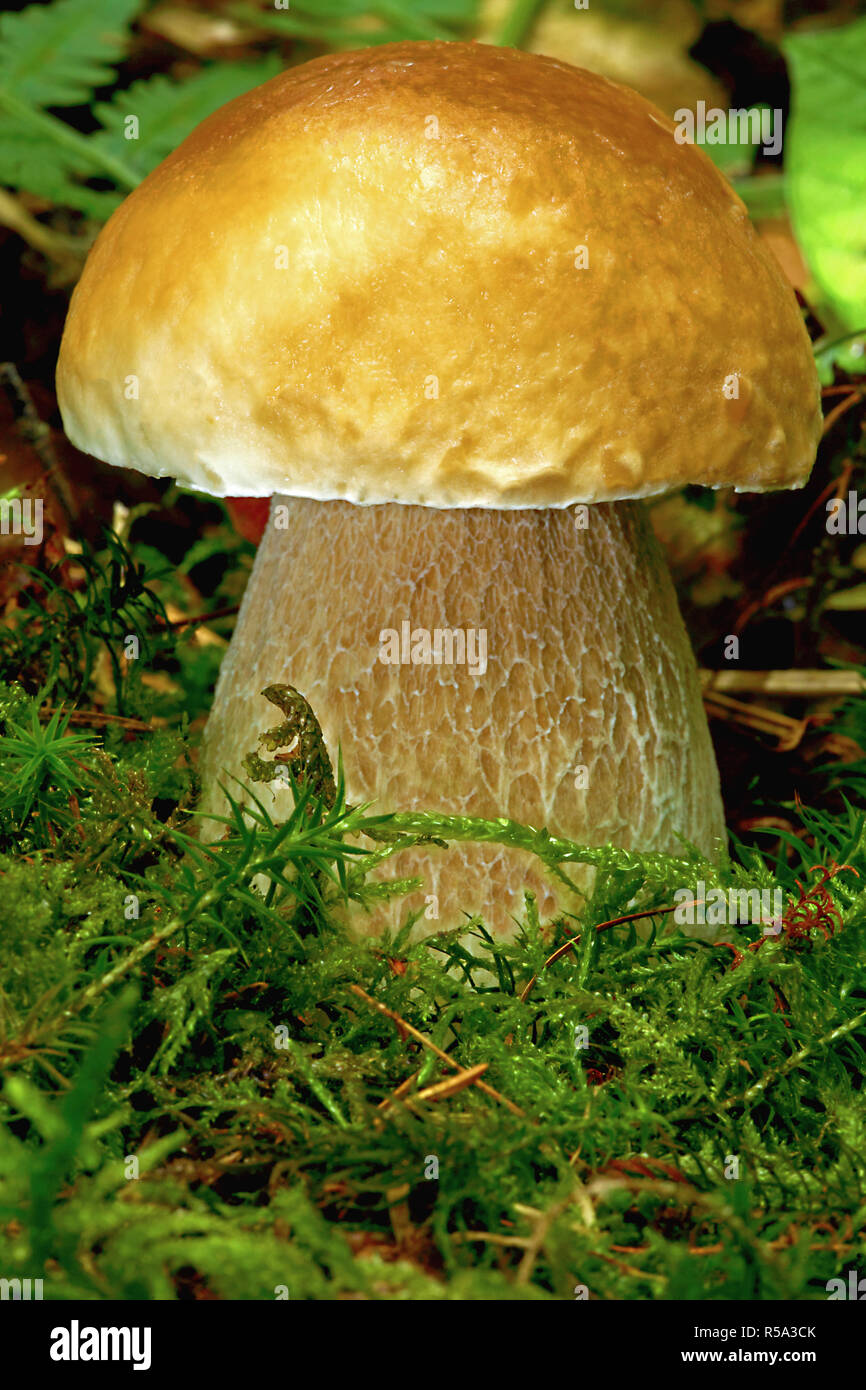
(362, 281)
(477, 284)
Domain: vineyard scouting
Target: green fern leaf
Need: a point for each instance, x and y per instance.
(166, 111)
(31, 161)
(54, 55)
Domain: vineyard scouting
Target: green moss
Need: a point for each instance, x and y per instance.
(155, 1006)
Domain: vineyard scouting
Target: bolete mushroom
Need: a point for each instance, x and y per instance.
(454, 305)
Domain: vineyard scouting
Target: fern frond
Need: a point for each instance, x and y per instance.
(31, 160)
(167, 110)
(55, 55)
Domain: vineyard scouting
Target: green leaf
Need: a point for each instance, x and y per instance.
(848, 600)
(847, 353)
(825, 162)
(54, 55)
(52, 1164)
(731, 158)
(31, 160)
(166, 111)
(43, 155)
(763, 194)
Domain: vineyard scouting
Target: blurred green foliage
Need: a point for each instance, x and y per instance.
(825, 159)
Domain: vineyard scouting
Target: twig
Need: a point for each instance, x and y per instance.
(398, 1094)
(805, 684)
(98, 719)
(489, 1238)
(836, 486)
(67, 252)
(787, 586)
(788, 731)
(631, 1270)
(450, 1087)
(542, 1222)
(602, 926)
(37, 434)
(425, 1041)
(201, 617)
(841, 409)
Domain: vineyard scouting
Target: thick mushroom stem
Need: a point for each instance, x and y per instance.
(565, 693)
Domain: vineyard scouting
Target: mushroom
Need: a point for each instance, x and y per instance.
(459, 308)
